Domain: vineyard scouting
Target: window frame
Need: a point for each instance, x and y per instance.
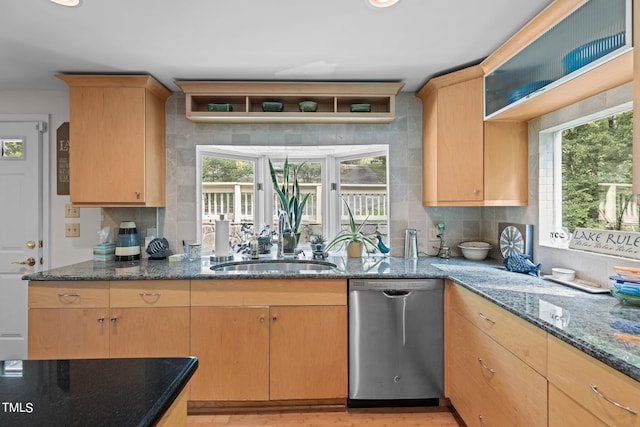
(552, 234)
(263, 188)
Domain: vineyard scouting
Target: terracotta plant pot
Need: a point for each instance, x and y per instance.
(354, 250)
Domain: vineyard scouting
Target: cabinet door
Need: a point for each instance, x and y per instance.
(149, 332)
(232, 347)
(107, 135)
(308, 351)
(460, 142)
(68, 333)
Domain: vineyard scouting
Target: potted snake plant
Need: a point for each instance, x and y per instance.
(290, 200)
(353, 237)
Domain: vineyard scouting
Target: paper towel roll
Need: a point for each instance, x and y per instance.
(222, 238)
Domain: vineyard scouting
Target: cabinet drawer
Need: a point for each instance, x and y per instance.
(574, 373)
(565, 412)
(491, 385)
(226, 293)
(523, 339)
(149, 293)
(79, 294)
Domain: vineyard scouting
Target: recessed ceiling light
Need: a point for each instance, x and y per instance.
(66, 2)
(382, 3)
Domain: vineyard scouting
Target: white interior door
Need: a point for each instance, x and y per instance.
(21, 228)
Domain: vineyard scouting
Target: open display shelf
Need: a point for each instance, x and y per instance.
(334, 101)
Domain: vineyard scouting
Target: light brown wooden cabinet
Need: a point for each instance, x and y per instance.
(117, 140)
(577, 380)
(69, 320)
(467, 162)
(259, 340)
(486, 382)
(334, 100)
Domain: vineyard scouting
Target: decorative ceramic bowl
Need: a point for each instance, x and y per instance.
(564, 274)
(272, 106)
(360, 108)
(476, 251)
(220, 107)
(308, 106)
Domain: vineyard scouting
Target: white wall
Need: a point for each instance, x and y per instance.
(64, 250)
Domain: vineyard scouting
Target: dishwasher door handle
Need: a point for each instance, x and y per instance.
(395, 294)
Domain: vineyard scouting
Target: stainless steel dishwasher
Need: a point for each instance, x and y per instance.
(396, 342)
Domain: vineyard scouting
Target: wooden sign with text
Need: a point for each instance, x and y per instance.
(620, 243)
(62, 149)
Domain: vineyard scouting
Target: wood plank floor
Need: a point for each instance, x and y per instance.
(341, 418)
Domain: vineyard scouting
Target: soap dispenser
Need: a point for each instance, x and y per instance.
(443, 251)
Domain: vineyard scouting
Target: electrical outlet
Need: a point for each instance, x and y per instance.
(71, 211)
(433, 233)
(72, 229)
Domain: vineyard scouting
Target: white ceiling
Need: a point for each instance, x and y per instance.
(251, 39)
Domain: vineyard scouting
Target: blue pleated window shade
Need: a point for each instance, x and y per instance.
(597, 31)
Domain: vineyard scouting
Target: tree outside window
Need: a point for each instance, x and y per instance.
(596, 175)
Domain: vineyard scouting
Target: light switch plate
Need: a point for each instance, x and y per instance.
(72, 229)
(71, 211)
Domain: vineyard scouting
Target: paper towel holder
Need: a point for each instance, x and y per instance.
(221, 258)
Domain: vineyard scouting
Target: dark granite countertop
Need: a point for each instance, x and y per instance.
(594, 323)
(91, 392)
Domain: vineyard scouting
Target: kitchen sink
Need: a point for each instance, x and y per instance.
(291, 265)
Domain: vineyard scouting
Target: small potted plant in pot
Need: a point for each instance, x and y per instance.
(317, 242)
(353, 237)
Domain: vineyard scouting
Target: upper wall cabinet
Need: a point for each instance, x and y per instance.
(117, 140)
(468, 162)
(580, 53)
(279, 102)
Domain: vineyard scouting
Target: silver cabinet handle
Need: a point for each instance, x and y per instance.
(488, 319)
(261, 319)
(69, 295)
(274, 318)
(114, 319)
(100, 319)
(485, 366)
(481, 419)
(626, 408)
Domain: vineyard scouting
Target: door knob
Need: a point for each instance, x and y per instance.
(30, 244)
(31, 261)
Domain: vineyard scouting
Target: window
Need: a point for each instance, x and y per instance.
(585, 176)
(235, 182)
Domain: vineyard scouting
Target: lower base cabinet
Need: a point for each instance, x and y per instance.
(583, 388)
(494, 363)
(88, 320)
(263, 340)
(488, 385)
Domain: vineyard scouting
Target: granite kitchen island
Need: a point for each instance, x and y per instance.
(95, 392)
